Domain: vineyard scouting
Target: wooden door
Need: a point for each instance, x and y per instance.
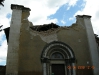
(58, 69)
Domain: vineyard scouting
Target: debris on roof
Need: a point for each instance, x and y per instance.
(44, 27)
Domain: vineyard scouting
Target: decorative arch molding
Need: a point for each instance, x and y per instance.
(60, 46)
(57, 47)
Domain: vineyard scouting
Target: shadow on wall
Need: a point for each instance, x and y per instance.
(2, 70)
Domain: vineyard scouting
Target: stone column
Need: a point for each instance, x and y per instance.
(91, 41)
(44, 68)
(74, 70)
(13, 44)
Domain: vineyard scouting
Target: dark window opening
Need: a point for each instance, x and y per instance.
(57, 55)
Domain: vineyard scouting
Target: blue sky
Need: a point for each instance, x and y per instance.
(2, 38)
(3, 63)
(8, 15)
(61, 12)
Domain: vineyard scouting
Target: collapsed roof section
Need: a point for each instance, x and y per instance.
(39, 28)
(44, 27)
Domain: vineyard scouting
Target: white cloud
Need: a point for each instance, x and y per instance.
(71, 3)
(68, 8)
(4, 21)
(91, 8)
(3, 51)
(71, 18)
(1, 35)
(3, 47)
(63, 22)
(1, 60)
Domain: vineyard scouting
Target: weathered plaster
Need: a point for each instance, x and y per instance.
(13, 46)
(46, 36)
(51, 34)
(92, 45)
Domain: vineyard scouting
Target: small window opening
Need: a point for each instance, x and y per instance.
(57, 55)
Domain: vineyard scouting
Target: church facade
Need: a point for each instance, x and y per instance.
(50, 49)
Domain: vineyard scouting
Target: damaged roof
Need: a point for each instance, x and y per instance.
(39, 28)
(44, 27)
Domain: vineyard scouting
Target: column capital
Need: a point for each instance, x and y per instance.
(83, 16)
(19, 7)
(26, 9)
(15, 6)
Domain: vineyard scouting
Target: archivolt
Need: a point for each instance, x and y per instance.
(57, 46)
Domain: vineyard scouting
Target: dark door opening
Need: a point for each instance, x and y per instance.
(58, 69)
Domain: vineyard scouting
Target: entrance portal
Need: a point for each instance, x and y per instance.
(58, 69)
(55, 57)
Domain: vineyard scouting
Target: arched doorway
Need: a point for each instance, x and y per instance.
(57, 63)
(56, 57)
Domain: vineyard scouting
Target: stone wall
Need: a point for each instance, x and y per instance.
(32, 43)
